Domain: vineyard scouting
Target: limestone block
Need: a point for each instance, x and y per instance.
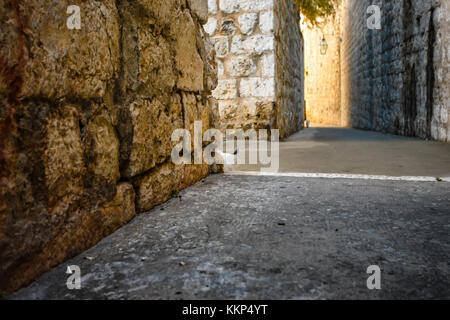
(188, 61)
(145, 132)
(268, 65)
(220, 69)
(148, 61)
(256, 44)
(212, 71)
(200, 9)
(226, 89)
(103, 149)
(119, 211)
(231, 6)
(158, 186)
(58, 62)
(63, 155)
(240, 66)
(195, 110)
(228, 110)
(211, 26)
(212, 6)
(228, 27)
(247, 22)
(221, 46)
(266, 22)
(193, 173)
(257, 87)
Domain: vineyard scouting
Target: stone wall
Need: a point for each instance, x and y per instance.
(323, 72)
(248, 56)
(393, 80)
(396, 79)
(86, 118)
(289, 64)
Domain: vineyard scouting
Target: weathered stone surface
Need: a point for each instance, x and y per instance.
(189, 63)
(266, 21)
(200, 9)
(158, 186)
(211, 66)
(80, 107)
(392, 80)
(240, 66)
(152, 124)
(256, 44)
(221, 46)
(63, 156)
(211, 26)
(231, 6)
(212, 6)
(194, 173)
(289, 71)
(228, 27)
(268, 65)
(247, 59)
(119, 211)
(103, 149)
(195, 109)
(148, 58)
(59, 62)
(247, 22)
(226, 89)
(257, 87)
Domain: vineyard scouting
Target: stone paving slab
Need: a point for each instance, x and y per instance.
(351, 151)
(247, 237)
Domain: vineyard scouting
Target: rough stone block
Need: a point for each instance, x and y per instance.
(247, 22)
(221, 46)
(228, 27)
(257, 87)
(226, 89)
(231, 6)
(268, 65)
(63, 157)
(146, 131)
(240, 66)
(256, 44)
(266, 22)
(188, 61)
(212, 6)
(200, 9)
(58, 62)
(158, 186)
(103, 149)
(211, 26)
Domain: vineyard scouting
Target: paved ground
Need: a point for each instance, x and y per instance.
(273, 238)
(350, 151)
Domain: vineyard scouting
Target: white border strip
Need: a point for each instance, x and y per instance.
(336, 176)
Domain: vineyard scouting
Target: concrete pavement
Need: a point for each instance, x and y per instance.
(249, 237)
(350, 151)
